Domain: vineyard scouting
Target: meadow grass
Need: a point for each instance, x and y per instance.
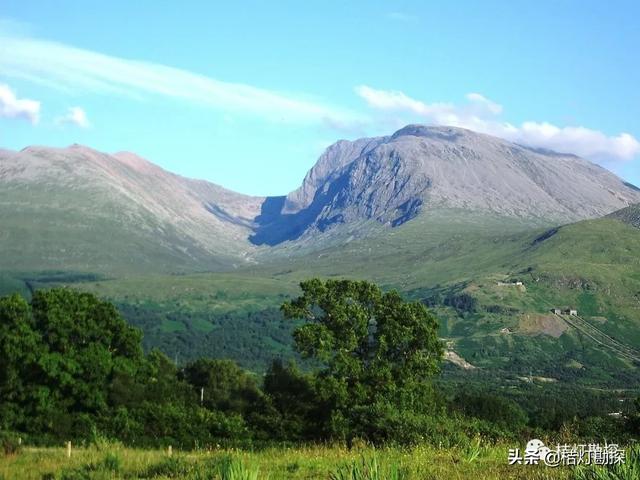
(310, 462)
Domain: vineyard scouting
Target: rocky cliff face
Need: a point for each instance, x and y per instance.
(392, 179)
(328, 168)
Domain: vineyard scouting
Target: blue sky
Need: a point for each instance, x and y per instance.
(248, 95)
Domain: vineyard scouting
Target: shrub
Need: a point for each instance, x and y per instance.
(368, 469)
(10, 443)
(234, 469)
(112, 463)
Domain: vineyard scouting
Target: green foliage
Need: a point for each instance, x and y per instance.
(473, 450)
(62, 336)
(225, 386)
(294, 411)
(232, 468)
(633, 421)
(629, 470)
(171, 467)
(75, 370)
(368, 468)
(110, 467)
(501, 411)
(10, 443)
(378, 353)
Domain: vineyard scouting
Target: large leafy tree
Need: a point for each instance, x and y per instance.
(19, 347)
(378, 353)
(85, 342)
(60, 355)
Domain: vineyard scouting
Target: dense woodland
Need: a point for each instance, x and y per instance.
(72, 369)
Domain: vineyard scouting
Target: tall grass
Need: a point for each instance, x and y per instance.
(472, 451)
(235, 469)
(630, 470)
(368, 469)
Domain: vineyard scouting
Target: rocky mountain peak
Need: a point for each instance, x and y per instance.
(392, 179)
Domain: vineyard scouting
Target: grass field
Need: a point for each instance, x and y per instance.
(309, 463)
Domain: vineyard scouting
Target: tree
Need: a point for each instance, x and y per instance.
(498, 410)
(59, 356)
(19, 347)
(295, 409)
(633, 422)
(86, 342)
(227, 387)
(378, 353)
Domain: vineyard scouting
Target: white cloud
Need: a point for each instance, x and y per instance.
(74, 116)
(484, 103)
(13, 107)
(72, 69)
(482, 115)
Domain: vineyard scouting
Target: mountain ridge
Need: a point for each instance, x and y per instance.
(385, 181)
(54, 197)
(391, 179)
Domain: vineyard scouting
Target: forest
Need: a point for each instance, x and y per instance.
(74, 369)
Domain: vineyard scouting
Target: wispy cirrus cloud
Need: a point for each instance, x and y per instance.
(483, 115)
(71, 69)
(74, 116)
(13, 107)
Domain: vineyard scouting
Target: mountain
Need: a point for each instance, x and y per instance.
(445, 215)
(393, 179)
(78, 209)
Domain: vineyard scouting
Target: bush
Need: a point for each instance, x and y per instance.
(10, 443)
(112, 463)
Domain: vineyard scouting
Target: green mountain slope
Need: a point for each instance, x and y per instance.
(76, 209)
(491, 269)
(464, 266)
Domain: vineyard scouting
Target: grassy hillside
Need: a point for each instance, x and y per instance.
(36, 226)
(78, 209)
(463, 265)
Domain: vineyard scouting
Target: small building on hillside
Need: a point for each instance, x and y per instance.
(566, 311)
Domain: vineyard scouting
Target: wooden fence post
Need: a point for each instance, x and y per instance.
(68, 449)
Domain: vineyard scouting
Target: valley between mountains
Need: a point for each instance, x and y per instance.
(491, 235)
